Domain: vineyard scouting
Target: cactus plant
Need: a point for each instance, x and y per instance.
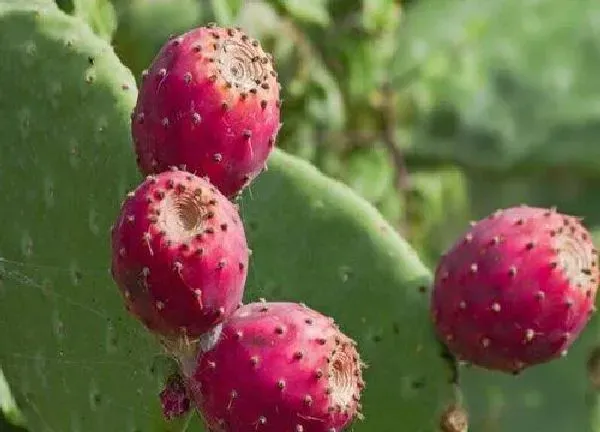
(75, 359)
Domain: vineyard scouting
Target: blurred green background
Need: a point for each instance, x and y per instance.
(435, 111)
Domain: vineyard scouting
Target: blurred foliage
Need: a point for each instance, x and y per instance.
(504, 85)
(436, 111)
(99, 14)
(144, 25)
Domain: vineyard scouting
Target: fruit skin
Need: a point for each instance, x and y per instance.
(516, 290)
(209, 103)
(269, 372)
(179, 255)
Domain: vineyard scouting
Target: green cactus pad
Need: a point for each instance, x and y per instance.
(74, 358)
(66, 347)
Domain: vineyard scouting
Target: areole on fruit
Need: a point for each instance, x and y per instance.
(181, 216)
(574, 256)
(241, 64)
(342, 370)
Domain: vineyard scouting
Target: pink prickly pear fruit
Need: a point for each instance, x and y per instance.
(209, 103)
(174, 399)
(179, 255)
(516, 290)
(278, 367)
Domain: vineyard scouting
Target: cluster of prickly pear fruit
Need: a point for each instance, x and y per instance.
(205, 122)
(517, 289)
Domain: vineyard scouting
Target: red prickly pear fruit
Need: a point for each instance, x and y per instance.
(516, 290)
(278, 367)
(209, 103)
(179, 255)
(174, 399)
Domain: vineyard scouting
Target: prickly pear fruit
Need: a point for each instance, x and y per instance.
(516, 290)
(278, 367)
(180, 256)
(174, 399)
(210, 102)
